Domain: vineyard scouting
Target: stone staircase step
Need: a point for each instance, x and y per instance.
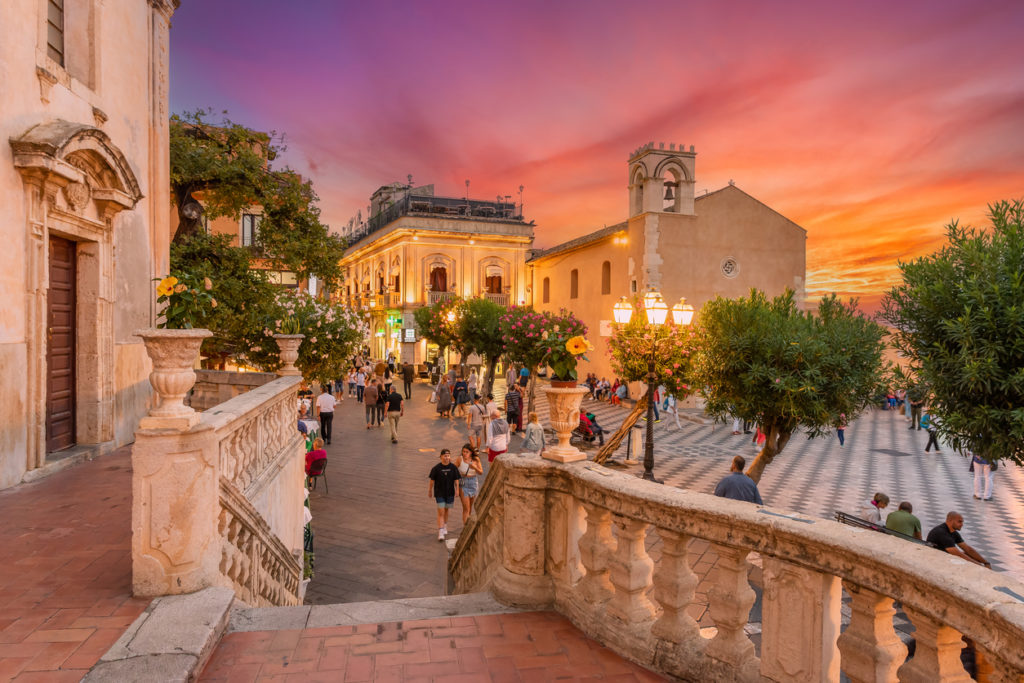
(354, 613)
(170, 641)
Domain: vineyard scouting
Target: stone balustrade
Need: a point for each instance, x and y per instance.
(221, 503)
(214, 387)
(575, 536)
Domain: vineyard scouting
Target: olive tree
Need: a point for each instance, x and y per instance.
(766, 361)
(959, 319)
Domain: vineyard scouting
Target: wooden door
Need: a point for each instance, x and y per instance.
(60, 347)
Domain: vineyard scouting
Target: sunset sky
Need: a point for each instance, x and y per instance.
(871, 124)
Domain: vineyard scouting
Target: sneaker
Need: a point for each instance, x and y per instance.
(394, 440)
(658, 420)
(440, 534)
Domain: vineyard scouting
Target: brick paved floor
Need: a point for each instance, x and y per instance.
(65, 570)
(525, 646)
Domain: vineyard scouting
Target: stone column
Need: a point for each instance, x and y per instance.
(674, 584)
(631, 569)
(176, 546)
(729, 603)
(596, 547)
(801, 621)
(937, 655)
(871, 651)
(522, 580)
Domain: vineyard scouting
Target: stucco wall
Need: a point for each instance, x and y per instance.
(114, 81)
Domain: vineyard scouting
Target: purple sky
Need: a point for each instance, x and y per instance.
(871, 124)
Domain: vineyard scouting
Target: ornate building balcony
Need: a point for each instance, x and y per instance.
(500, 299)
(434, 297)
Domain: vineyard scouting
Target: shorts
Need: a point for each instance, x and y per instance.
(476, 431)
(470, 486)
(443, 503)
(491, 455)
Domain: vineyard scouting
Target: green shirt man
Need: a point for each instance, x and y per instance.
(903, 521)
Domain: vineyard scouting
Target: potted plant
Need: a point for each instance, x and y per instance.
(563, 336)
(173, 347)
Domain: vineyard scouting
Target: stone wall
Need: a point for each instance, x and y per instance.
(574, 536)
(214, 387)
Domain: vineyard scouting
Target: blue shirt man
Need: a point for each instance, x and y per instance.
(737, 485)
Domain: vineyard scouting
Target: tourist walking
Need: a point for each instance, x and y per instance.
(841, 429)
(388, 375)
(514, 407)
(931, 423)
(408, 375)
(382, 401)
(461, 393)
(325, 404)
(352, 382)
(737, 485)
(903, 521)
(444, 397)
(497, 436)
(360, 384)
(475, 422)
(946, 536)
(510, 376)
(370, 403)
(524, 377)
(872, 509)
(533, 436)
(396, 409)
(444, 486)
(470, 468)
(983, 470)
(473, 383)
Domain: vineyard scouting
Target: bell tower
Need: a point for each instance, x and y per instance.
(661, 180)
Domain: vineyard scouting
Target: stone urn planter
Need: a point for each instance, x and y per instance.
(564, 403)
(289, 346)
(173, 353)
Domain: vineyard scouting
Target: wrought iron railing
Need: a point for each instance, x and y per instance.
(438, 206)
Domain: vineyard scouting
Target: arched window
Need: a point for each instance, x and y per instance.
(574, 284)
(547, 289)
(606, 277)
(439, 279)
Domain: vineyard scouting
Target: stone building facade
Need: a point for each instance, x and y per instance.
(418, 248)
(721, 243)
(83, 216)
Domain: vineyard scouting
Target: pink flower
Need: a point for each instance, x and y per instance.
(668, 372)
(776, 380)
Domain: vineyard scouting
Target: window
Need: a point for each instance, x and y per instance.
(439, 279)
(574, 283)
(606, 277)
(547, 289)
(250, 226)
(55, 30)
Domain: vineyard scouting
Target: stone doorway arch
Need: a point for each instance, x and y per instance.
(76, 181)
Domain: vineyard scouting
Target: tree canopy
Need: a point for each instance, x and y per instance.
(632, 345)
(436, 323)
(766, 361)
(477, 324)
(223, 169)
(959, 316)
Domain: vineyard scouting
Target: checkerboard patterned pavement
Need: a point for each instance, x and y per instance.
(818, 477)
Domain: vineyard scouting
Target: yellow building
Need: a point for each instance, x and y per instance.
(721, 243)
(418, 248)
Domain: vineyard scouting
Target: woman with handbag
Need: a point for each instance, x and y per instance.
(444, 397)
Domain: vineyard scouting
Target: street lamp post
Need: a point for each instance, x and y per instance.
(656, 312)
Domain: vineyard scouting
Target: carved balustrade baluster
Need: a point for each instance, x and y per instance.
(937, 655)
(596, 547)
(631, 569)
(729, 603)
(870, 649)
(993, 669)
(674, 584)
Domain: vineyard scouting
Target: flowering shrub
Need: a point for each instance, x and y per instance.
(188, 301)
(632, 344)
(557, 339)
(438, 323)
(333, 332)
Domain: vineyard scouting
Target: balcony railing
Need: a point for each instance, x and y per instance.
(500, 299)
(434, 297)
(574, 537)
(438, 206)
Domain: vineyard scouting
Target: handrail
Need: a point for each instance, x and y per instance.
(556, 548)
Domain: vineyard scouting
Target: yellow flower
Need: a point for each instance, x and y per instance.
(577, 345)
(166, 286)
(207, 284)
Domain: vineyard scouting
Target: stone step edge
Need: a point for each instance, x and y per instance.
(355, 613)
(170, 641)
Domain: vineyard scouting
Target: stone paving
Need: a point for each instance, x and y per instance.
(526, 646)
(65, 570)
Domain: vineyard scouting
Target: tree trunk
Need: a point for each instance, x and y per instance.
(491, 364)
(531, 391)
(615, 440)
(774, 442)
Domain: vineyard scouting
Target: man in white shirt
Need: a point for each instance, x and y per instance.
(325, 404)
(360, 384)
